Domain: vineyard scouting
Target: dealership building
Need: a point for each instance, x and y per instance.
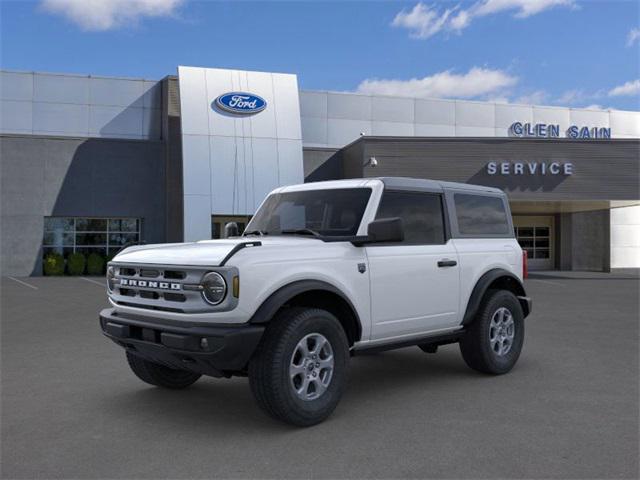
(90, 163)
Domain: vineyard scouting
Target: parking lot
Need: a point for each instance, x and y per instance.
(72, 409)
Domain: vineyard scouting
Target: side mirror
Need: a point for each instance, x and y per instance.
(231, 230)
(382, 231)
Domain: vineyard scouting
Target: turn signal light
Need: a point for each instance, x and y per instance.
(236, 286)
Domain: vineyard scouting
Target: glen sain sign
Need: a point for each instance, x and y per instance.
(240, 103)
(545, 130)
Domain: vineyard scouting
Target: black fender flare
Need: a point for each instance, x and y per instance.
(483, 284)
(280, 297)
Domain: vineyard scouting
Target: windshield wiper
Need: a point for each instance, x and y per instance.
(255, 232)
(301, 231)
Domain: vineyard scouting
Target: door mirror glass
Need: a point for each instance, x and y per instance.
(385, 230)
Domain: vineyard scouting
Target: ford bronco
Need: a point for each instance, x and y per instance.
(323, 272)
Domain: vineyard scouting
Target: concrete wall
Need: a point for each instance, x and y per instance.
(625, 237)
(590, 241)
(79, 106)
(564, 241)
(46, 176)
(335, 119)
(582, 241)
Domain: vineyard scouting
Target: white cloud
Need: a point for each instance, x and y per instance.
(423, 21)
(475, 83)
(631, 87)
(595, 106)
(100, 15)
(633, 36)
(524, 8)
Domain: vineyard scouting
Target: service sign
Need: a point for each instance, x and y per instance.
(530, 168)
(240, 103)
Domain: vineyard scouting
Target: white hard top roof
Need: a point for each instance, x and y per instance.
(404, 183)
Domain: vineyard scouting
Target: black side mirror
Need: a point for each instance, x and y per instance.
(382, 231)
(231, 230)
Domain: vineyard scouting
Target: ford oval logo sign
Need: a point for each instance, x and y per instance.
(240, 103)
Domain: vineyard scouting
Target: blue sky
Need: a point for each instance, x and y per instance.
(559, 52)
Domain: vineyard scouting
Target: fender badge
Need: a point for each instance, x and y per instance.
(362, 267)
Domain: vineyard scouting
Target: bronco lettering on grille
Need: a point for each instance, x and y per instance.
(130, 282)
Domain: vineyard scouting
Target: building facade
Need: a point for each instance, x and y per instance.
(90, 164)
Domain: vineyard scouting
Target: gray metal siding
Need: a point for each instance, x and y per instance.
(79, 106)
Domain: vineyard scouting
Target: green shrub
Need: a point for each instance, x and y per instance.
(53, 264)
(76, 263)
(95, 264)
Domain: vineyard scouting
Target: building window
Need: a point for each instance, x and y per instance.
(104, 236)
(481, 215)
(421, 214)
(219, 221)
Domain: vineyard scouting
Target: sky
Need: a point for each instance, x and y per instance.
(546, 52)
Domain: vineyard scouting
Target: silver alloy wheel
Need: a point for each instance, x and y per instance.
(502, 330)
(311, 366)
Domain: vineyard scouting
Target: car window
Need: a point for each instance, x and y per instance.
(481, 215)
(421, 214)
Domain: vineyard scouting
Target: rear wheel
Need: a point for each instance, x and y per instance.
(494, 340)
(299, 370)
(159, 375)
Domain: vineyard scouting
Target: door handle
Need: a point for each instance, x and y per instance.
(447, 263)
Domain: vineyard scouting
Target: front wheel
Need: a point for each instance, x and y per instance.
(494, 340)
(299, 370)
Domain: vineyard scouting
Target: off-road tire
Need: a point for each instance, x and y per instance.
(269, 367)
(475, 345)
(159, 375)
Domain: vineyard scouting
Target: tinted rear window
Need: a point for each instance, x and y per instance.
(481, 215)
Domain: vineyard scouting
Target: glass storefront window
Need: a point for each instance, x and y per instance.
(104, 236)
(91, 224)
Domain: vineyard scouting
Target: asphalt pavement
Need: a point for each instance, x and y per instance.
(72, 409)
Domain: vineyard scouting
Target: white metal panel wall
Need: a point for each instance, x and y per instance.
(335, 119)
(230, 162)
(625, 237)
(79, 106)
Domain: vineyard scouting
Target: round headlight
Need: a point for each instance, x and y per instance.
(214, 288)
(111, 273)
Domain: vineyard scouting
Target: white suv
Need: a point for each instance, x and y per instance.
(323, 272)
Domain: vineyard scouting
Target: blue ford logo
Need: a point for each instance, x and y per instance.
(241, 103)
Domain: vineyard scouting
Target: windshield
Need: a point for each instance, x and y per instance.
(331, 212)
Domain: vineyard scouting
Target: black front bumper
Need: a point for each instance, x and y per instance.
(209, 350)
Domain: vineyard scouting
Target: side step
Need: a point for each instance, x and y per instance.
(428, 343)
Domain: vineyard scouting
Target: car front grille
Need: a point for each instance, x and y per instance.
(172, 289)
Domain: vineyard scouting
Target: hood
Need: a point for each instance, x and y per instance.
(202, 253)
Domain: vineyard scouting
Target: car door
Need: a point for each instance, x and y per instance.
(414, 283)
